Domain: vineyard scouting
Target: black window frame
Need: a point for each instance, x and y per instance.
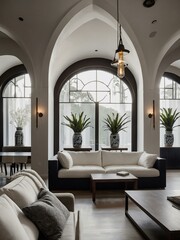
(98, 64)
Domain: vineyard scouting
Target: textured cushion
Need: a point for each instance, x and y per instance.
(86, 158)
(136, 170)
(147, 160)
(13, 223)
(35, 174)
(65, 159)
(80, 171)
(120, 158)
(23, 191)
(49, 214)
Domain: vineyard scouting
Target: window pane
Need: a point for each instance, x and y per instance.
(19, 81)
(16, 97)
(177, 91)
(94, 91)
(9, 90)
(104, 136)
(168, 93)
(64, 95)
(66, 133)
(170, 100)
(13, 104)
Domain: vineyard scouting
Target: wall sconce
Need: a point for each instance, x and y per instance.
(152, 115)
(38, 114)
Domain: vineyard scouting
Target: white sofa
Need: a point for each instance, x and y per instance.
(21, 193)
(77, 166)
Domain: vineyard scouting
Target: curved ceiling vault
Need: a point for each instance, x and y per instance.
(90, 33)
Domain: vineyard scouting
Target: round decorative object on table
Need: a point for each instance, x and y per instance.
(77, 140)
(168, 139)
(114, 140)
(19, 137)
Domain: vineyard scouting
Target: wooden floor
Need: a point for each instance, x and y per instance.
(105, 220)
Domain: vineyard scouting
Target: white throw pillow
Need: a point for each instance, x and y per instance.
(23, 191)
(147, 160)
(65, 159)
(13, 223)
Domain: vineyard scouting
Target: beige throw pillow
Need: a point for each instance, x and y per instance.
(13, 223)
(65, 159)
(147, 160)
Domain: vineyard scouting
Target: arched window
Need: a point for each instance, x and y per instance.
(16, 105)
(170, 98)
(96, 93)
(96, 90)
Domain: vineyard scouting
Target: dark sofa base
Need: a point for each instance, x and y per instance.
(85, 184)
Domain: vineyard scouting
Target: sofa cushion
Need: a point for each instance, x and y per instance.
(22, 190)
(136, 170)
(147, 160)
(80, 171)
(36, 175)
(65, 159)
(120, 158)
(13, 223)
(86, 158)
(49, 214)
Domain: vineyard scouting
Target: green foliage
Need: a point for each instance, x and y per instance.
(168, 117)
(77, 122)
(116, 123)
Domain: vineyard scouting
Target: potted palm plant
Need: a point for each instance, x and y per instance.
(115, 124)
(77, 122)
(168, 117)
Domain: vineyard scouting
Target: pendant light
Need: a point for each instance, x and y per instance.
(118, 60)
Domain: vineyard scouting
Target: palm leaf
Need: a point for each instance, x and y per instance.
(116, 123)
(77, 122)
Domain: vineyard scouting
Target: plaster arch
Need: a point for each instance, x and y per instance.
(171, 55)
(11, 48)
(78, 16)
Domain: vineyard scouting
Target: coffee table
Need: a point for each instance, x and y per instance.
(152, 214)
(110, 178)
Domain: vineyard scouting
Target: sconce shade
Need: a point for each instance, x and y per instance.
(38, 114)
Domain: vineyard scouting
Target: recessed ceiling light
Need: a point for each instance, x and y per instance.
(148, 3)
(21, 19)
(152, 34)
(154, 21)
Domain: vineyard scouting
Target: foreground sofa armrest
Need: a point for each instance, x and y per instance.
(53, 167)
(67, 199)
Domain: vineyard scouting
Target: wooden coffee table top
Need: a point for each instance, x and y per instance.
(156, 206)
(111, 177)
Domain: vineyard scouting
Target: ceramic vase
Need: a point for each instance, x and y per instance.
(19, 137)
(77, 140)
(168, 139)
(114, 140)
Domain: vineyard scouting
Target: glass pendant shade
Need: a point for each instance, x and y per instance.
(121, 66)
(118, 60)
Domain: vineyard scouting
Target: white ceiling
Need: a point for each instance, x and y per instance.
(95, 29)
